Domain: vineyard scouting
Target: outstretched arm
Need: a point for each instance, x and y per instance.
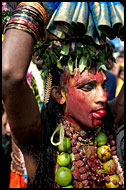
(20, 104)
(117, 108)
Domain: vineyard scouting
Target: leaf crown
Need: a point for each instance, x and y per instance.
(56, 54)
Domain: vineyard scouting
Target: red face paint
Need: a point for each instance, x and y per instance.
(86, 98)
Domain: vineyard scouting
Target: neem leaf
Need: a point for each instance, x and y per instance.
(101, 56)
(70, 65)
(78, 51)
(65, 49)
(59, 65)
(98, 65)
(92, 48)
(101, 65)
(60, 57)
(82, 63)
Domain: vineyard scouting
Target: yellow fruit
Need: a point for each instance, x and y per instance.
(63, 159)
(63, 176)
(66, 145)
(101, 139)
(109, 167)
(104, 153)
(113, 183)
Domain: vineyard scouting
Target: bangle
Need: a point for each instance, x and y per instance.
(16, 160)
(23, 28)
(25, 17)
(31, 13)
(28, 17)
(15, 170)
(38, 7)
(26, 23)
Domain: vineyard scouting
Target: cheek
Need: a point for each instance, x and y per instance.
(78, 105)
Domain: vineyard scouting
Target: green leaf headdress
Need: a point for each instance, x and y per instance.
(56, 54)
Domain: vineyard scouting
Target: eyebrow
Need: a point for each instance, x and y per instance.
(91, 81)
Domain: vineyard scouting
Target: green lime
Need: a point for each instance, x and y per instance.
(101, 139)
(69, 186)
(66, 145)
(63, 176)
(63, 159)
(112, 178)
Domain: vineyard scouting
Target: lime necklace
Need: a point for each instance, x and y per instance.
(87, 159)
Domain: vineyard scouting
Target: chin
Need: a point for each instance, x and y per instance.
(97, 123)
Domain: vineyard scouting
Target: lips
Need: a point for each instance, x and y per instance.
(99, 114)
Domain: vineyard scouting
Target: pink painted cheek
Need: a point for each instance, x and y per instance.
(78, 107)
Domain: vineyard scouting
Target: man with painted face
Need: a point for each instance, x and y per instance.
(81, 125)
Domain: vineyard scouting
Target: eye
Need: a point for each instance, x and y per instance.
(87, 87)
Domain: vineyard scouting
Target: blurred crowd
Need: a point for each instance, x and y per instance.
(116, 75)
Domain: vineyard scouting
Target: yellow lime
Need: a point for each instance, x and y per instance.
(66, 145)
(101, 139)
(104, 153)
(109, 167)
(69, 186)
(63, 176)
(110, 184)
(63, 159)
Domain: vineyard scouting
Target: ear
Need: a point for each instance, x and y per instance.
(58, 95)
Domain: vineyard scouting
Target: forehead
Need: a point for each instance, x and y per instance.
(89, 75)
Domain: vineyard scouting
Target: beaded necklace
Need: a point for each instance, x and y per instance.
(92, 165)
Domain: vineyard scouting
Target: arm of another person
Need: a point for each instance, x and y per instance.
(20, 103)
(117, 108)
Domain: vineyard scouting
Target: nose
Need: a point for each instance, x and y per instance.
(101, 95)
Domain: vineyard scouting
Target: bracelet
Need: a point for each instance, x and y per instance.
(15, 170)
(15, 160)
(37, 6)
(23, 28)
(26, 23)
(31, 15)
(30, 11)
(28, 17)
(25, 17)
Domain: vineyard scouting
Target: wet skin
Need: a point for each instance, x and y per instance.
(86, 98)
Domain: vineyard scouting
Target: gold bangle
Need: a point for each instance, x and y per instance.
(15, 170)
(17, 162)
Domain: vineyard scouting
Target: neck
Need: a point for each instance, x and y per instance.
(63, 116)
(74, 124)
